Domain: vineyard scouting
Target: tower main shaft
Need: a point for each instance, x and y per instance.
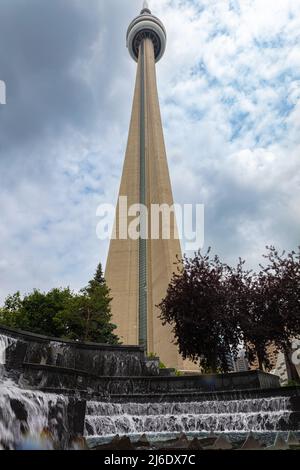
(138, 271)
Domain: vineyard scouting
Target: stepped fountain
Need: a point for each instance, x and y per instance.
(68, 390)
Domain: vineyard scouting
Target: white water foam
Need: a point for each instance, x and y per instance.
(255, 415)
(36, 406)
(5, 342)
(43, 411)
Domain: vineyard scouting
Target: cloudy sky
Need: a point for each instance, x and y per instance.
(229, 86)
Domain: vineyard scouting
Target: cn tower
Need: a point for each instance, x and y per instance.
(138, 271)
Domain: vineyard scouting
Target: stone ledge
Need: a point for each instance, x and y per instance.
(77, 344)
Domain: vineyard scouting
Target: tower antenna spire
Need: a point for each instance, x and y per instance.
(146, 8)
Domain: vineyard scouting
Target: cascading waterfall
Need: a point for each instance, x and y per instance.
(220, 416)
(28, 413)
(59, 352)
(5, 342)
(56, 420)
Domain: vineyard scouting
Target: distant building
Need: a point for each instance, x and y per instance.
(280, 368)
(241, 364)
(278, 364)
(273, 356)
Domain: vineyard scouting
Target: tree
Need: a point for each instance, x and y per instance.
(282, 275)
(87, 315)
(36, 311)
(198, 305)
(253, 313)
(214, 308)
(9, 314)
(99, 280)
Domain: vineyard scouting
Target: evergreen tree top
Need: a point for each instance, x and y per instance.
(98, 279)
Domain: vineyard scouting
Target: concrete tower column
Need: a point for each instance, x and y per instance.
(138, 271)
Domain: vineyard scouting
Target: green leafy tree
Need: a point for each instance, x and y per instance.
(36, 311)
(61, 313)
(10, 313)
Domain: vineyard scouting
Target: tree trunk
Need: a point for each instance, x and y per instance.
(260, 362)
(213, 361)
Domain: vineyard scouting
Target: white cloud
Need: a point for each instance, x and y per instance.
(230, 98)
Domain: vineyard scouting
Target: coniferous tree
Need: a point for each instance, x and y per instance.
(87, 316)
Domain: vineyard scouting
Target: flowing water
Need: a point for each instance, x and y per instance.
(5, 342)
(25, 413)
(255, 415)
(37, 413)
(31, 413)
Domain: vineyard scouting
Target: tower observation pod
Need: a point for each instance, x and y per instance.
(139, 269)
(146, 26)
